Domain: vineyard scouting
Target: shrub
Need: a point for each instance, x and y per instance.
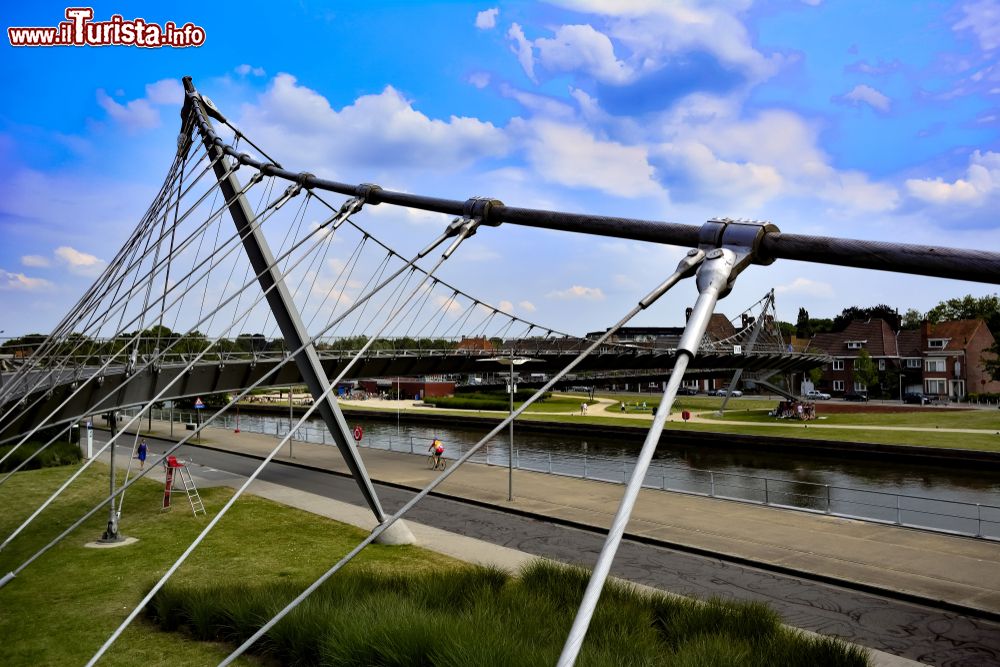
(59, 453)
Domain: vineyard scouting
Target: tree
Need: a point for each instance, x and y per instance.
(802, 326)
(912, 319)
(865, 370)
(881, 311)
(968, 307)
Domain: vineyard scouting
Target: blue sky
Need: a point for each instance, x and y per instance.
(847, 118)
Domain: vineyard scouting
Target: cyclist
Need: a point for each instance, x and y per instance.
(436, 449)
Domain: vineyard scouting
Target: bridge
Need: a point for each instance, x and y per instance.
(201, 261)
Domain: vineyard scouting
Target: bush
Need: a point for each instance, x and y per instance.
(59, 453)
(483, 616)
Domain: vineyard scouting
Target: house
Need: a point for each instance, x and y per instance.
(873, 336)
(944, 359)
(952, 356)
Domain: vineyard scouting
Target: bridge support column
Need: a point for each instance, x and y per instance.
(286, 314)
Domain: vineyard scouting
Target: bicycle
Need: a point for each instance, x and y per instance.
(435, 463)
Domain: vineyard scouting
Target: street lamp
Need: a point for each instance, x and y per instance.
(510, 362)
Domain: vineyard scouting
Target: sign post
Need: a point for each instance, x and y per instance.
(358, 433)
(198, 406)
(90, 439)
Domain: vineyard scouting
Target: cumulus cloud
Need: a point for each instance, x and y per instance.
(245, 69)
(141, 113)
(35, 261)
(79, 263)
(578, 292)
(570, 155)
(581, 47)
(862, 94)
(487, 19)
(981, 183)
(655, 32)
(382, 130)
(806, 287)
(527, 306)
(983, 19)
(506, 306)
(20, 282)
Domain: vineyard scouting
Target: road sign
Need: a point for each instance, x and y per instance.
(198, 405)
(358, 432)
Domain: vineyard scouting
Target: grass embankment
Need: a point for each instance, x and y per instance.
(483, 616)
(63, 606)
(500, 401)
(59, 453)
(395, 600)
(971, 419)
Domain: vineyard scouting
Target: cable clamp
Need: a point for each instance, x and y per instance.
(369, 193)
(291, 191)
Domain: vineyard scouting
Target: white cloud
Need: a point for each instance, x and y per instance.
(570, 155)
(165, 91)
(981, 183)
(539, 104)
(245, 69)
(382, 130)
(522, 48)
(35, 261)
(487, 19)
(134, 115)
(581, 47)
(80, 263)
(862, 94)
(479, 79)
(506, 306)
(806, 287)
(141, 113)
(21, 282)
(527, 306)
(983, 19)
(653, 31)
(578, 292)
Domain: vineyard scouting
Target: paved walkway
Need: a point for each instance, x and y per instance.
(958, 571)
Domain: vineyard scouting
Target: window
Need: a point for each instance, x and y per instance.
(838, 385)
(855, 344)
(881, 364)
(913, 363)
(838, 364)
(936, 386)
(860, 386)
(934, 366)
(937, 343)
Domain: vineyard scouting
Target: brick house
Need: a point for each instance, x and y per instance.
(874, 336)
(952, 358)
(943, 359)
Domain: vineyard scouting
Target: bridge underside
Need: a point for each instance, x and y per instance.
(118, 390)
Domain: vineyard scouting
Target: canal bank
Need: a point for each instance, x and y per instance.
(632, 436)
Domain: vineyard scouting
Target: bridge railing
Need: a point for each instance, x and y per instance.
(932, 514)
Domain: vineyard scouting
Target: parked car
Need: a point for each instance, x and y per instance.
(916, 398)
(856, 396)
(816, 395)
(722, 392)
(686, 391)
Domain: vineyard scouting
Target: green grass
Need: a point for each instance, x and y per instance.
(63, 606)
(483, 616)
(942, 418)
(499, 402)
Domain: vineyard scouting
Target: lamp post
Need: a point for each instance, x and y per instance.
(510, 362)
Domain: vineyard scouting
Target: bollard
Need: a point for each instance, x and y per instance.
(827, 498)
(712, 480)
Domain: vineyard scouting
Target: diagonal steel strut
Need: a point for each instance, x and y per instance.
(287, 316)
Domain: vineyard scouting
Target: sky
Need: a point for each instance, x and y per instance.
(855, 119)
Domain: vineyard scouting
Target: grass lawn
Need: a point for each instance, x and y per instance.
(975, 419)
(63, 606)
(390, 606)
